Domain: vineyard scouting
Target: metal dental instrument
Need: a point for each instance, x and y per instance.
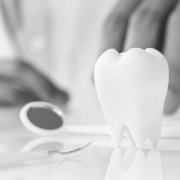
(10, 159)
(69, 152)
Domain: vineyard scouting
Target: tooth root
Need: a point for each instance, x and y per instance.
(129, 136)
(116, 133)
(137, 167)
(129, 156)
(154, 164)
(154, 155)
(154, 132)
(139, 158)
(116, 168)
(139, 132)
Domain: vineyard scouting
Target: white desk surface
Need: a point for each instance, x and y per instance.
(94, 162)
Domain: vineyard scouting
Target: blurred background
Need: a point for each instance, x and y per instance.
(48, 49)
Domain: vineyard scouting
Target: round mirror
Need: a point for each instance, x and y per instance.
(42, 118)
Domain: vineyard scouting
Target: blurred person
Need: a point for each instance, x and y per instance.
(57, 42)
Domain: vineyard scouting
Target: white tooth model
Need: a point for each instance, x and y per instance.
(131, 88)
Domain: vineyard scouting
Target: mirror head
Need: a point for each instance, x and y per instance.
(42, 118)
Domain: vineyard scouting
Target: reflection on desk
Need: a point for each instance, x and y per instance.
(137, 164)
(98, 163)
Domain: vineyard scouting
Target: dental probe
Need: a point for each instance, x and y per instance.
(7, 159)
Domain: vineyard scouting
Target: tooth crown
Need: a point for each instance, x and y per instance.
(131, 88)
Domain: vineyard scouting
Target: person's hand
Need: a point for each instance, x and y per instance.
(148, 24)
(20, 83)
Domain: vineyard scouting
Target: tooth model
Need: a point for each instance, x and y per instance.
(131, 88)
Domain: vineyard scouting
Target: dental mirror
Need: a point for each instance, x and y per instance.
(42, 118)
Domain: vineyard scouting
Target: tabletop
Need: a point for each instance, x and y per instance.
(98, 161)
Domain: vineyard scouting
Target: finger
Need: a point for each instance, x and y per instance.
(42, 86)
(33, 82)
(147, 24)
(114, 28)
(13, 95)
(171, 102)
(172, 53)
